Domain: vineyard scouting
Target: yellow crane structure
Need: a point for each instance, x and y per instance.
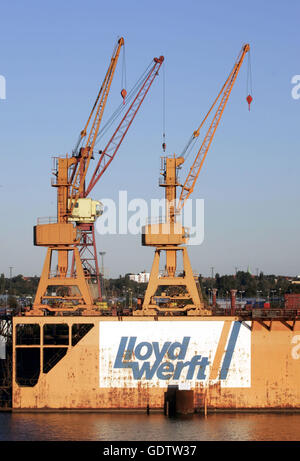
(73, 286)
(171, 292)
(62, 237)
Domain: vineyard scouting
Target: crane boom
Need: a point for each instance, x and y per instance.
(189, 184)
(108, 154)
(86, 153)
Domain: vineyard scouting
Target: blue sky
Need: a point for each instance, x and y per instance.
(54, 56)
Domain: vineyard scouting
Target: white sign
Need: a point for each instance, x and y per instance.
(185, 353)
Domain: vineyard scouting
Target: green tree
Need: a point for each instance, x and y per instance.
(12, 302)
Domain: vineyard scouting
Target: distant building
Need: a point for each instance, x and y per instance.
(142, 277)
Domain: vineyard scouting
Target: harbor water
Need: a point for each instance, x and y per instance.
(154, 427)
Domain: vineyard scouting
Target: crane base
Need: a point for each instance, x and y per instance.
(185, 299)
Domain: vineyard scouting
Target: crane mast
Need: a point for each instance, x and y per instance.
(170, 292)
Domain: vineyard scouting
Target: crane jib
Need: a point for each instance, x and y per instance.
(78, 183)
(119, 134)
(224, 94)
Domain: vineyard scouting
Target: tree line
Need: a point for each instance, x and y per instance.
(122, 287)
(249, 285)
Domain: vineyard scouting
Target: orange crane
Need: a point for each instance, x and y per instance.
(74, 285)
(170, 292)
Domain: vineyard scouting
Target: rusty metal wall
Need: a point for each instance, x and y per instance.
(82, 380)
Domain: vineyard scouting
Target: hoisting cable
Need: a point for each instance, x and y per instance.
(123, 78)
(188, 148)
(249, 92)
(83, 132)
(122, 106)
(164, 109)
(186, 151)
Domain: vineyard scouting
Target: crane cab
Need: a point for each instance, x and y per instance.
(86, 210)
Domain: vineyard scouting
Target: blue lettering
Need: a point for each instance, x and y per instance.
(127, 353)
(178, 369)
(165, 371)
(139, 348)
(120, 354)
(192, 365)
(203, 364)
(145, 368)
(182, 348)
(160, 354)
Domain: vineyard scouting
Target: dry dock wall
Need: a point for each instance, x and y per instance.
(129, 363)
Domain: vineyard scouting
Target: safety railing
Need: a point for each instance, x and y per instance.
(56, 274)
(156, 220)
(260, 314)
(47, 220)
(162, 181)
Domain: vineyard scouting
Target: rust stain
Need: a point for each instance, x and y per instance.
(74, 381)
(220, 350)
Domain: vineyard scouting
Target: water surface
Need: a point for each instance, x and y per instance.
(155, 427)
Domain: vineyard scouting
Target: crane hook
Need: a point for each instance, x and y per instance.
(123, 94)
(249, 99)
